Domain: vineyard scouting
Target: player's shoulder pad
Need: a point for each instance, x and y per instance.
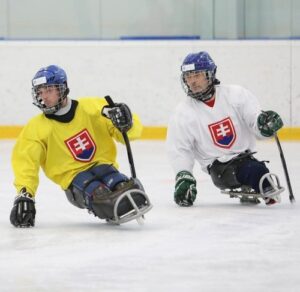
(37, 125)
(236, 94)
(92, 100)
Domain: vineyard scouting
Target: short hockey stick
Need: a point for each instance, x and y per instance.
(127, 143)
(291, 195)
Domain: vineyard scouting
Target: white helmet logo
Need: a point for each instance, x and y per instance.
(39, 81)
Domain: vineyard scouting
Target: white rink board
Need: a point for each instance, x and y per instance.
(146, 75)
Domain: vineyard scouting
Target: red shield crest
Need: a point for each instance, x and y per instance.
(82, 146)
(223, 133)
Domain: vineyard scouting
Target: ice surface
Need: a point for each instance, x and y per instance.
(217, 245)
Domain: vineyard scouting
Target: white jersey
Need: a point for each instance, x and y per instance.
(199, 132)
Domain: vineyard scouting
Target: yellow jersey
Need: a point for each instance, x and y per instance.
(63, 149)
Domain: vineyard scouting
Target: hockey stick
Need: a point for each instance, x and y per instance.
(291, 195)
(127, 143)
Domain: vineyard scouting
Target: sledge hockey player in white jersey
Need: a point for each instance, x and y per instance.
(217, 125)
(73, 142)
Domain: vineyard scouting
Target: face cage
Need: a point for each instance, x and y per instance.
(203, 95)
(38, 101)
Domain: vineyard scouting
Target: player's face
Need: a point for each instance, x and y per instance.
(49, 95)
(196, 81)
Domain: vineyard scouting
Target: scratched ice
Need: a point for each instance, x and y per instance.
(217, 245)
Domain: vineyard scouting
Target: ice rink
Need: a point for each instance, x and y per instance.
(216, 245)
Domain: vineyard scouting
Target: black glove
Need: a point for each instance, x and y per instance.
(120, 116)
(269, 122)
(23, 211)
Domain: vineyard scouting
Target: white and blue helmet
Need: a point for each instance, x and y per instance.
(197, 62)
(50, 76)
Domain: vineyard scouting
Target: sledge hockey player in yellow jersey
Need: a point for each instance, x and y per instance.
(73, 142)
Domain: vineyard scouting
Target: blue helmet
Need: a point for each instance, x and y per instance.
(200, 62)
(50, 76)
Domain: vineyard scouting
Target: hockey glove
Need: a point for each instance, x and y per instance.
(185, 189)
(23, 211)
(269, 122)
(120, 116)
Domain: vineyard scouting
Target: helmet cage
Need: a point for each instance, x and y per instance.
(38, 101)
(205, 94)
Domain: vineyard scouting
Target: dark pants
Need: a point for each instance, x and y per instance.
(250, 174)
(102, 177)
(107, 193)
(241, 170)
